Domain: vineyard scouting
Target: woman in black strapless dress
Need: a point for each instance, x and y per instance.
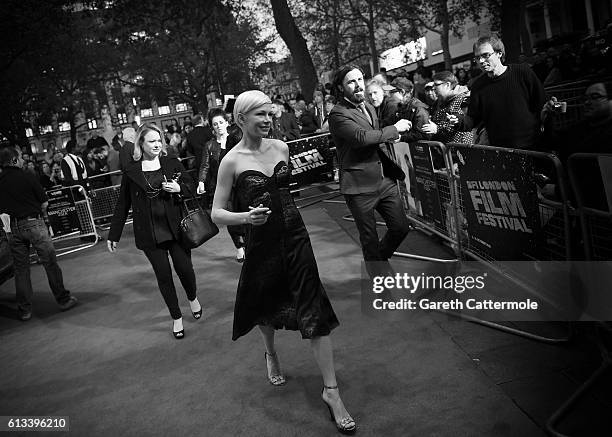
(279, 285)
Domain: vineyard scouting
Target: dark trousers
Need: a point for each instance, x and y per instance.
(34, 232)
(386, 200)
(181, 259)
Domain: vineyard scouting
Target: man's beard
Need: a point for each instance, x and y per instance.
(356, 98)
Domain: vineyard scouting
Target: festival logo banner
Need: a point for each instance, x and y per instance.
(311, 159)
(500, 201)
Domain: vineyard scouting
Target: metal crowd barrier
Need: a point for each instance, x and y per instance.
(595, 218)
(592, 196)
(86, 235)
(554, 221)
(445, 186)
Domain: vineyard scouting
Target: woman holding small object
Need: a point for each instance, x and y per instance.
(152, 185)
(279, 285)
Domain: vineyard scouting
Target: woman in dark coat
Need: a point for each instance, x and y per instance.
(153, 185)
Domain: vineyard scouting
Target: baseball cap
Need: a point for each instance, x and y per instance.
(429, 85)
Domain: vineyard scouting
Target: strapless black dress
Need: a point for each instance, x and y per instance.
(279, 284)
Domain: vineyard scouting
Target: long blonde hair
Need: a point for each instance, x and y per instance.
(142, 131)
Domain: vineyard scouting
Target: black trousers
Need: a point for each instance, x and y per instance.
(181, 259)
(386, 200)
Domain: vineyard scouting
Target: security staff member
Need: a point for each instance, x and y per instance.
(22, 197)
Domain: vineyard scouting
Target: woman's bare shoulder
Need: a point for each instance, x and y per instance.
(277, 145)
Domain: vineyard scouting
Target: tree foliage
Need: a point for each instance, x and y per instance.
(52, 63)
(444, 17)
(183, 49)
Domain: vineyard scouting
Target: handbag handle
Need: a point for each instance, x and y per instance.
(192, 198)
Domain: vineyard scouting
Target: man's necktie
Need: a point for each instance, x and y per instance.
(363, 109)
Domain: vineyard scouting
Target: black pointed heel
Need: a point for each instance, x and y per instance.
(344, 427)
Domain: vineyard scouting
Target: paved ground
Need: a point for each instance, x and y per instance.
(112, 365)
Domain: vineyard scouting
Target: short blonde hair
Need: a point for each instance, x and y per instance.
(142, 131)
(247, 101)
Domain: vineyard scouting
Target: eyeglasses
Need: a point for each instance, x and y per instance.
(483, 56)
(592, 97)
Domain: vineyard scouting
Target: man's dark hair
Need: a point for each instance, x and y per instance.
(216, 112)
(70, 146)
(278, 102)
(198, 119)
(446, 76)
(8, 155)
(496, 44)
(339, 77)
(229, 106)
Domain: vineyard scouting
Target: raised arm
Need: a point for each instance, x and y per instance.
(356, 136)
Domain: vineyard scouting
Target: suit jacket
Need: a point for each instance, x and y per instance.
(125, 155)
(362, 155)
(196, 142)
(288, 127)
(308, 122)
(133, 194)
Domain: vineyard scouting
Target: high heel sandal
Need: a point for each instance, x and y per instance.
(178, 334)
(197, 314)
(276, 380)
(240, 255)
(347, 425)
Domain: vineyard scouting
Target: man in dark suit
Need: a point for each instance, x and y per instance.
(284, 124)
(367, 173)
(197, 139)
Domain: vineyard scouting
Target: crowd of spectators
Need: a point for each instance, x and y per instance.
(424, 96)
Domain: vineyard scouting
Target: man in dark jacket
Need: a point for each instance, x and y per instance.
(284, 124)
(367, 173)
(23, 198)
(409, 108)
(198, 138)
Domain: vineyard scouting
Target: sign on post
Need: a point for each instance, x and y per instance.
(426, 185)
(62, 212)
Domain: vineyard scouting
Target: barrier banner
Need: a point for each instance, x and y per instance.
(311, 159)
(500, 200)
(426, 186)
(62, 212)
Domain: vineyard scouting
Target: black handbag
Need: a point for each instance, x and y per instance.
(196, 227)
